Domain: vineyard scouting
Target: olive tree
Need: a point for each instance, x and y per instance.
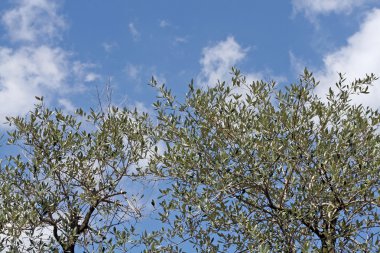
(256, 167)
(67, 188)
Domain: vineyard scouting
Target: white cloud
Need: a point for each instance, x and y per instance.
(312, 8)
(91, 77)
(33, 67)
(134, 32)
(33, 20)
(40, 235)
(218, 60)
(359, 56)
(29, 72)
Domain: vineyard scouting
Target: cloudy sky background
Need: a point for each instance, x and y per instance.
(67, 50)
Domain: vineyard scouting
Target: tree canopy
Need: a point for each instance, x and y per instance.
(259, 167)
(69, 185)
(248, 167)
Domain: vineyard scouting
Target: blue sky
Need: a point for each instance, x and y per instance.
(67, 49)
(64, 50)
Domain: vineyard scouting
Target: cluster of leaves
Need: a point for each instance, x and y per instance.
(248, 167)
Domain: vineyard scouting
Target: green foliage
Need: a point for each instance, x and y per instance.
(250, 167)
(256, 168)
(67, 187)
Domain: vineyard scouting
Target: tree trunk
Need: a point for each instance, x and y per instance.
(329, 237)
(328, 245)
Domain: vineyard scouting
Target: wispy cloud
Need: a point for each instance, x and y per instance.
(138, 75)
(326, 6)
(133, 71)
(109, 46)
(314, 8)
(159, 77)
(164, 23)
(84, 71)
(359, 56)
(180, 40)
(134, 32)
(297, 64)
(33, 20)
(67, 105)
